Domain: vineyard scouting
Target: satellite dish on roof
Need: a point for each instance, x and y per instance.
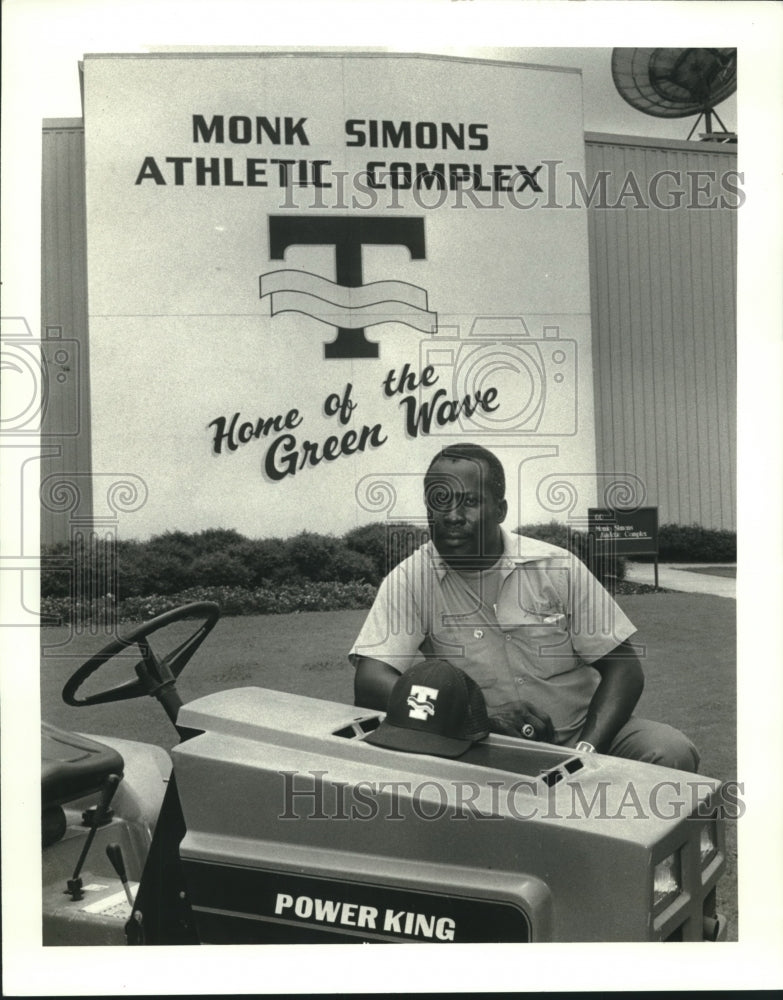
(676, 83)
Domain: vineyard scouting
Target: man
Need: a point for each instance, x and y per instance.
(524, 618)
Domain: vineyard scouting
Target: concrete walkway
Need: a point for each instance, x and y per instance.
(673, 576)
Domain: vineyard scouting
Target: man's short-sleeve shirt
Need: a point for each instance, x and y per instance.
(529, 637)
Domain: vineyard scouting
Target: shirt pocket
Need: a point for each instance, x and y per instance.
(544, 641)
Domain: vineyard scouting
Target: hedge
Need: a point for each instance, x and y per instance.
(175, 561)
(608, 571)
(692, 543)
(676, 543)
(307, 572)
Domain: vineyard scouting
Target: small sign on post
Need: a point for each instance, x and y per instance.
(624, 532)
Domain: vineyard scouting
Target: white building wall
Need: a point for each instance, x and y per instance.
(663, 290)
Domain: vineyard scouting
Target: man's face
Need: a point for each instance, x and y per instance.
(463, 514)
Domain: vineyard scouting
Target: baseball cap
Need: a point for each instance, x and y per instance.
(433, 708)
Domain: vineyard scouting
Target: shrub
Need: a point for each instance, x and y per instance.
(607, 570)
(216, 540)
(552, 531)
(310, 555)
(219, 569)
(692, 543)
(321, 558)
(386, 544)
(56, 570)
(348, 564)
(164, 573)
(56, 582)
(371, 541)
(403, 540)
(84, 566)
(132, 565)
(177, 544)
(264, 559)
(158, 572)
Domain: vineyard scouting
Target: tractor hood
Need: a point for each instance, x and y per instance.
(288, 809)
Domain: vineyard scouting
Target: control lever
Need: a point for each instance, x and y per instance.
(114, 854)
(134, 928)
(95, 818)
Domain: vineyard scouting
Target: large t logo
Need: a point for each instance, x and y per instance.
(347, 304)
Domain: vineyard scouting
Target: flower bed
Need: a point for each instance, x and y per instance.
(279, 599)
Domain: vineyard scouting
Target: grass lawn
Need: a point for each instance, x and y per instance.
(689, 659)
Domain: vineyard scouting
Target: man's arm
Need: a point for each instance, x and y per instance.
(373, 682)
(615, 697)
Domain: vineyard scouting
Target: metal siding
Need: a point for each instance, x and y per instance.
(663, 284)
(65, 426)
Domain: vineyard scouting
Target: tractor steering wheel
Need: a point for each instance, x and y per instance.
(154, 677)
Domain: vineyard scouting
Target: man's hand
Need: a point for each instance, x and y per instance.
(525, 722)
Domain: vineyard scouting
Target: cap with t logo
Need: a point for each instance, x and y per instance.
(433, 708)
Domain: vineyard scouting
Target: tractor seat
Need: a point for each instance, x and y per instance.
(73, 766)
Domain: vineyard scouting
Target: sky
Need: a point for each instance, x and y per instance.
(80, 29)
